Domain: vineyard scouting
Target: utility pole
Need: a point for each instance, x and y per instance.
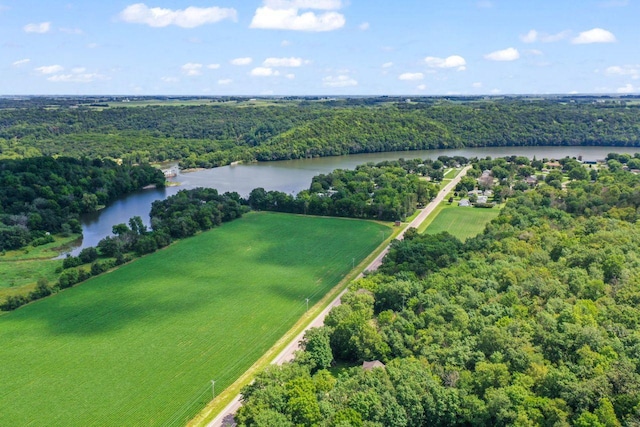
(213, 388)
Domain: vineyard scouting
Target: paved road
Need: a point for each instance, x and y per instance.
(225, 418)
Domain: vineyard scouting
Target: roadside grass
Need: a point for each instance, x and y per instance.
(140, 345)
(21, 269)
(452, 173)
(462, 222)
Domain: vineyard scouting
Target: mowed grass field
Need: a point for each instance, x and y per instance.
(139, 345)
(462, 222)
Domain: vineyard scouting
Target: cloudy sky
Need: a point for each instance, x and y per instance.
(317, 47)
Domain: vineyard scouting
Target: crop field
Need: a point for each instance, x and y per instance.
(461, 222)
(140, 345)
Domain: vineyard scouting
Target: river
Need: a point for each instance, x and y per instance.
(292, 176)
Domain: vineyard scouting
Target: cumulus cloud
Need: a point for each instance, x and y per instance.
(509, 54)
(534, 36)
(241, 61)
(453, 61)
(387, 65)
(628, 88)
(339, 81)
(50, 69)
(72, 31)
(192, 69)
(213, 66)
(422, 87)
(77, 78)
(290, 76)
(190, 17)
(364, 26)
(624, 70)
(411, 76)
(170, 79)
(41, 28)
(477, 85)
(284, 62)
(20, 62)
(225, 81)
(288, 15)
(596, 35)
(264, 72)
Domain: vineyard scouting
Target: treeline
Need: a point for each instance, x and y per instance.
(387, 191)
(218, 134)
(40, 196)
(533, 322)
(179, 216)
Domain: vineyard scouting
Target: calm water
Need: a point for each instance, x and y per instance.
(292, 176)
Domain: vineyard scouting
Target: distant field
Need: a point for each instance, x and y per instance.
(461, 222)
(139, 346)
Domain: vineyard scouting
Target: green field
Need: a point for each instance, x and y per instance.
(139, 346)
(461, 222)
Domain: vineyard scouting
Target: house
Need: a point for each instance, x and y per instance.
(531, 180)
(482, 199)
(464, 203)
(367, 366)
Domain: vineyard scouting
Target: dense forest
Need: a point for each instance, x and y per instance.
(41, 196)
(533, 322)
(220, 133)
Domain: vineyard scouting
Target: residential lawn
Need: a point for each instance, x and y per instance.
(140, 345)
(460, 221)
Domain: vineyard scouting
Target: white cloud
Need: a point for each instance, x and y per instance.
(339, 81)
(628, 88)
(596, 35)
(387, 65)
(411, 76)
(50, 69)
(290, 76)
(285, 43)
(225, 81)
(509, 54)
(192, 69)
(21, 62)
(213, 66)
(364, 26)
(477, 85)
(534, 36)
(93, 45)
(284, 62)
(625, 70)
(78, 70)
(77, 78)
(535, 52)
(72, 31)
(287, 15)
(453, 61)
(264, 72)
(422, 87)
(41, 28)
(170, 79)
(190, 17)
(241, 61)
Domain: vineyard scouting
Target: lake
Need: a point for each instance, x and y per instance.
(292, 176)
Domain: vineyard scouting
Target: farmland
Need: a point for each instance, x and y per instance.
(461, 222)
(140, 345)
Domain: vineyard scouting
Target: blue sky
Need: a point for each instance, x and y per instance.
(319, 47)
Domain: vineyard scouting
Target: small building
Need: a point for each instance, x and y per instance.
(482, 199)
(465, 203)
(397, 223)
(367, 366)
(531, 180)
